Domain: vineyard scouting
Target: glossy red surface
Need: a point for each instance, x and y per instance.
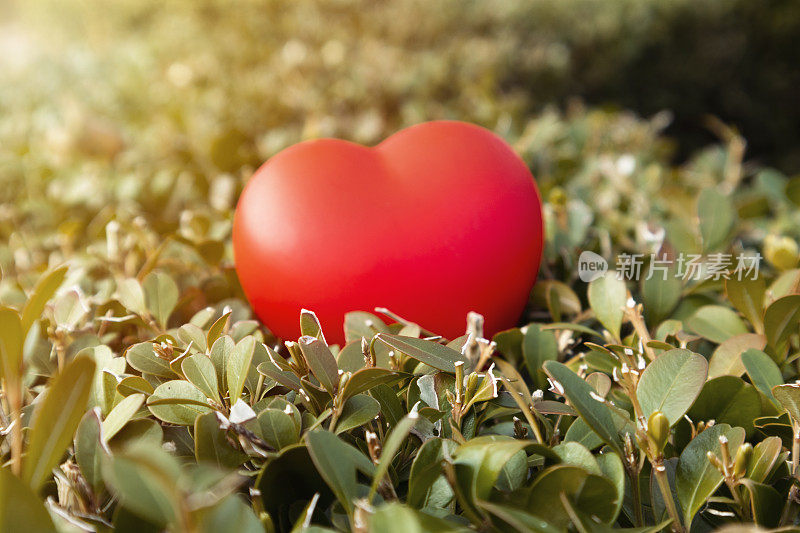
(439, 219)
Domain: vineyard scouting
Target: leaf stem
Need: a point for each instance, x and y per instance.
(334, 420)
(637, 497)
(795, 450)
(537, 432)
(635, 317)
(14, 393)
(61, 350)
(737, 497)
(666, 495)
(789, 509)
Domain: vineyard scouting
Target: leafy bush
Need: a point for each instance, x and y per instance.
(393, 430)
(138, 393)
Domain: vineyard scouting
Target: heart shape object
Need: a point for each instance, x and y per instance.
(440, 219)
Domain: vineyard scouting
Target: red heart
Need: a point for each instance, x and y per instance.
(440, 219)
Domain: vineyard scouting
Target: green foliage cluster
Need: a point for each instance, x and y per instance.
(139, 393)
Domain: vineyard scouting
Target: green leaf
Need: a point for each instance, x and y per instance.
(107, 369)
(585, 522)
(516, 386)
(194, 336)
(160, 296)
(20, 508)
(321, 361)
(717, 216)
(579, 431)
(232, 514)
(310, 325)
(391, 407)
(538, 346)
(557, 296)
(143, 476)
(765, 457)
(285, 378)
(766, 503)
(211, 445)
(763, 372)
(338, 464)
(121, 414)
(553, 407)
(69, 309)
(727, 400)
(350, 358)
(131, 295)
(716, 323)
(575, 454)
(177, 402)
(217, 329)
(573, 327)
(607, 297)
(242, 328)
(357, 411)
(479, 462)
(789, 398)
(279, 498)
(278, 428)
(134, 385)
(590, 493)
(671, 383)
(389, 449)
(143, 358)
(597, 415)
(747, 296)
(251, 383)
(368, 378)
(143, 430)
(104, 390)
(426, 469)
(485, 390)
(509, 344)
(199, 371)
(661, 295)
(518, 519)
(358, 324)
(89, 449)
(786, 283)
(11, 339)
(613, 470)
(237, 367)
(398, 518)
(431, 353)
(221, 351)
(56, 418)
(44, 290)
(781, 319)
(514, 473)
(727, 358)
(696, 479)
